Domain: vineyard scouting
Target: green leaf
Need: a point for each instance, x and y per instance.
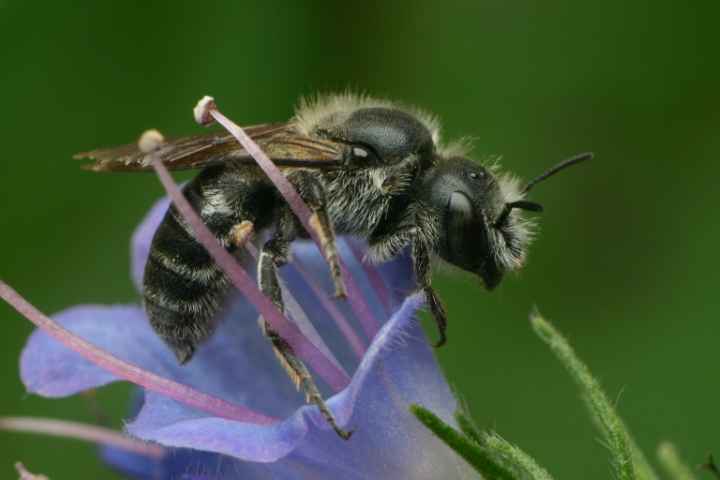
(669, 458)
(600, 404)
(643, 470)
(518, 457)
(468, 429)
(479, 459)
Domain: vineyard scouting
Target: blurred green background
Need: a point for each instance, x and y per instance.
(626, 263)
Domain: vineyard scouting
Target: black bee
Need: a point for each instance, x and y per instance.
(365, 167)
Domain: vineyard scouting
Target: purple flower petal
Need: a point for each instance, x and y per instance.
(53, 370)
(398, 369)
(129, 463)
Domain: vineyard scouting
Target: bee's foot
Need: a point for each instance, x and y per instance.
(340, 293)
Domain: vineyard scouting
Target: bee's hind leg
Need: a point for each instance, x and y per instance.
(274, 253)
(312, 191)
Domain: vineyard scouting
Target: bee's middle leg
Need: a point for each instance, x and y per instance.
(274, 253)
(312, 191)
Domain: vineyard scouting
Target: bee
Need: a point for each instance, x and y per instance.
(365, 167)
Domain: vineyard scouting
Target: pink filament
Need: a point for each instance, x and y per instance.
(372, 274)
(128, 371)
(341, 322)
(81, 431)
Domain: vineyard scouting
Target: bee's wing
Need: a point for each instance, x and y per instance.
(284, 147)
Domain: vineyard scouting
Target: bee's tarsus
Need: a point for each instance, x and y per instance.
(313, 193)
(344, 434)
(438, 310)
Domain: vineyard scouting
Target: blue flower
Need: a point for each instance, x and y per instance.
(291, 439)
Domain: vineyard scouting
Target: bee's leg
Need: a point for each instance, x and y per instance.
(312, 191)
(273, 254)
(423, 276)
(388, 246)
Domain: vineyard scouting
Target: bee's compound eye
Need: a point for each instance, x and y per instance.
(466, 232)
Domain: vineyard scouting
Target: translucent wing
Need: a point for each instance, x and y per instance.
(284, 146)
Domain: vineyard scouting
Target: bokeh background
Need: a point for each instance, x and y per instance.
(627, 261)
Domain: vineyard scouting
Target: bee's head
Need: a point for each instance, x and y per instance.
(483, 234)
(478, 213)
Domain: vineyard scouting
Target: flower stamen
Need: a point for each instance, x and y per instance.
(25, 475)
(343, 324)
(372, 274)
(128, 371)
(81, 431)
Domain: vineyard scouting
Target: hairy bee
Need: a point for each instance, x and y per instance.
(365, 167)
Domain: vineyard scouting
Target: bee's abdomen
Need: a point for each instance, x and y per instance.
(183, 288)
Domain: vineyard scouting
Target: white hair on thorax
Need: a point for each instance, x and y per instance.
(315, 109)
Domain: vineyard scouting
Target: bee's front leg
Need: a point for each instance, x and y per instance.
(312, 191)
(423, 276)
(277, 252)
(389, 245)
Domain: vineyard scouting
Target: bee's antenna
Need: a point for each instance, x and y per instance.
(560, 166)
(522, 205)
